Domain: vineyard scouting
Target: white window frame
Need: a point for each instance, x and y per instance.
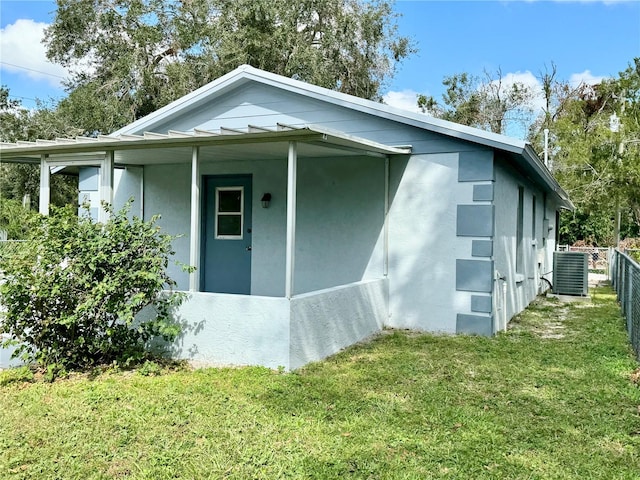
(219, 213)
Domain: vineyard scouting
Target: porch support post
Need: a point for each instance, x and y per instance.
(106, 185)
(45, 185)
(385, 261)
(292, 179)
(194, 235)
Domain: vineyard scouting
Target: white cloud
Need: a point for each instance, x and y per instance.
(405, 99)
(22, 51)
(585, 77)
(529, 80)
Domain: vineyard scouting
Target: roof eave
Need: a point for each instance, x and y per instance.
(532, 159)
(31, 152)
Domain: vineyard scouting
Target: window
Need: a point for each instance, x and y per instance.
(229, 213)
(520, 232)
(545, 222)
(533, 219)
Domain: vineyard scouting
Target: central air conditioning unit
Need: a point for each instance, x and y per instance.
(570, 273)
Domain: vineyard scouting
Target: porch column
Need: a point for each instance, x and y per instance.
(194, 234)
(45, 188)
(385, 261)
(106, 185)
(292, 174)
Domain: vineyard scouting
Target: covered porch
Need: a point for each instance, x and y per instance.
(311, 264)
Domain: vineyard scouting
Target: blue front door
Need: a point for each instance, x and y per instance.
(226, 237)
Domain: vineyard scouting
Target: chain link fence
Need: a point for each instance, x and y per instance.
(625, 277)
(598, 256)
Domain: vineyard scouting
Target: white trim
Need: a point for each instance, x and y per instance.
(292, 179)
(95, 161)
(385, 261)
(106, 185)
(194, 239)
(141, 192)
(45, 185)
(217, 213)
(66, 149)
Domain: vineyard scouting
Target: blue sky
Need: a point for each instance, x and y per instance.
(587, 40)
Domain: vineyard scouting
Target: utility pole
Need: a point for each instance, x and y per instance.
(614, 126)
(546, 147)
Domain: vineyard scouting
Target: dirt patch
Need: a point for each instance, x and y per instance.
(545, 318)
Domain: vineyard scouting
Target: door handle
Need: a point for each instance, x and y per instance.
(248, 248)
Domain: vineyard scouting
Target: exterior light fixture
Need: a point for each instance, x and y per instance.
(266, 199)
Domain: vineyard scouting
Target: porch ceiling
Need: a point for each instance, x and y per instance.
(223, 145)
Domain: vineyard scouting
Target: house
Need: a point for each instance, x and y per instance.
(315, 218)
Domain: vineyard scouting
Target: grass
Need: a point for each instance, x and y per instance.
(550, 399)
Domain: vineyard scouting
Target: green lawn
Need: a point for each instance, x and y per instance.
(552, 398)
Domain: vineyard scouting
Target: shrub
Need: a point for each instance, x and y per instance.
(72, 291)
(15, 219)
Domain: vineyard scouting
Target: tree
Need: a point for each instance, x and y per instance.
(44, 122)
(488, 102)
(71, 294)
(599, 168)
(15, 219)
(132, 57)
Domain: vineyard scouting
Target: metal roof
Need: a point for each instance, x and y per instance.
(318, 142)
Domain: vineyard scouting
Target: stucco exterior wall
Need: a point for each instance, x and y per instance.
(339, 228)
(522, 287)
(431, 250)
(324, 322)
(340, 219)
(423, 243)
(223, 329)
(167, 192)
(341, 204)
(127, 183)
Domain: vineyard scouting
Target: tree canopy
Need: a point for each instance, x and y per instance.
(131, 57)
(597, 163)
(18, 180)
(487, 102)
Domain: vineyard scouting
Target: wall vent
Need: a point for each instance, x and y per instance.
(570, 273)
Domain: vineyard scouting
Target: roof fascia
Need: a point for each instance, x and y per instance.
(530, 156)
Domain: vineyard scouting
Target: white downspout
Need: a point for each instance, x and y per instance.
(500, 304)
(546, 147)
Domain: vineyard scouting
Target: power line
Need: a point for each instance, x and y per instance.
(25, 98)
(31, 70)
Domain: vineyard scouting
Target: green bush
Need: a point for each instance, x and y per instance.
(15, 219)
(72, 291)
